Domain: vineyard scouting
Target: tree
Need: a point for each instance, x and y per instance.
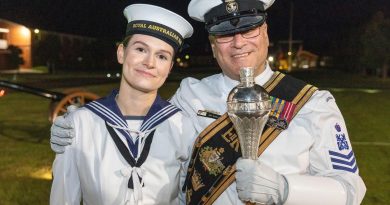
(47, 52)
(375, 41)
(14, 58)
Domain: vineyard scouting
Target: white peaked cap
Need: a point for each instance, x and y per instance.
(158, 22)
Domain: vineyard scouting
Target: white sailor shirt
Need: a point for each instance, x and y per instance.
(93, 170)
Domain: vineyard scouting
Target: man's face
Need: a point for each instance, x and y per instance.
(242, 51)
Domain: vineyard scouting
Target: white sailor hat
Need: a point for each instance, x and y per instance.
(157, 22)
(229, 16)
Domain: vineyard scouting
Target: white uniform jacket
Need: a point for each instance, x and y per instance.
(92, 169)
(315, 143)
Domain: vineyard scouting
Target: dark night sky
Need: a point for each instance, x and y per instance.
(319, 23)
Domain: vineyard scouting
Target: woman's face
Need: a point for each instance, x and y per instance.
(146, 62)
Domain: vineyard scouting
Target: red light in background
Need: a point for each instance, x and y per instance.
(2, 93)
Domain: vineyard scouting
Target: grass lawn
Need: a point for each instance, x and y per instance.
(25, 155)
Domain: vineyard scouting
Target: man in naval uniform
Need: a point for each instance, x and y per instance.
(305, 154)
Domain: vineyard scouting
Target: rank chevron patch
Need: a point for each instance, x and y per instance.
(345, 162)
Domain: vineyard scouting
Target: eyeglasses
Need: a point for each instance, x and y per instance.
(246, 34)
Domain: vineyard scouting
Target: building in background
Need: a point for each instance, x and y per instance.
(300, 58)
(36, 47)
(3, 46)
(13, 34)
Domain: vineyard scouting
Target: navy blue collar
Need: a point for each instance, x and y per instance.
(108, 110)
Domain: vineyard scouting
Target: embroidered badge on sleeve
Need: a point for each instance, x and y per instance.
(341, 159)
(342, 142)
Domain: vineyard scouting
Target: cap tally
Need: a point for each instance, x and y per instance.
(157, 22)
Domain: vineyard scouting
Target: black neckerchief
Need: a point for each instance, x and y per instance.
(126, 154)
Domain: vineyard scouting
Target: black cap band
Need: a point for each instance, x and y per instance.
(234, 16)
(157, 30)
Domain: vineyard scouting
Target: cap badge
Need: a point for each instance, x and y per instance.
(231, 6)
